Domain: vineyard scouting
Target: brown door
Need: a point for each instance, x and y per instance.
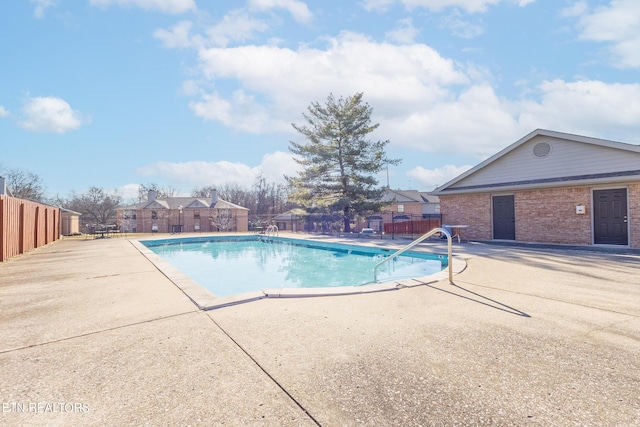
(504, 218)
(610, 217)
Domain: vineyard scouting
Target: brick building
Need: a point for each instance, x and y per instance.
(403, 205)
(183, 214)
(411, 202)
(550, 187)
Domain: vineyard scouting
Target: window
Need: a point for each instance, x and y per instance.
(154, 214)
(196, 214)
(400, 208)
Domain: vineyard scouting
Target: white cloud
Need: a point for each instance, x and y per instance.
(617, 24)
(50, 114)
(41, 6)
(377, 5)
(421, 99)
(275, 165)
(165, 6)
(297, 9)
(4, 112)
(405, 33)
(577, 9)
(241, 112)
(201, 173)
(429, 179)
(129, 192)
(178, 37)
(394, 78)
(584, 107)
(470, 6)
(460, 27)
(236, 26)
(475, 123)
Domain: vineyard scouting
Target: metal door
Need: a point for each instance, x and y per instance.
(504, 218)
(610, 217)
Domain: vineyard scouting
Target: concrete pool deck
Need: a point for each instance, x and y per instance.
(94, 334)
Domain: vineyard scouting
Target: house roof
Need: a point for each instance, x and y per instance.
(409, 196)
(69, 211)
(545, 158)
(174, 203)
(290, 215)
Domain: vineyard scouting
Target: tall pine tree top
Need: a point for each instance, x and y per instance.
(338, 162)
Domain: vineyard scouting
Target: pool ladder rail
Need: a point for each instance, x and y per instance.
(271, 230)
(414, 243)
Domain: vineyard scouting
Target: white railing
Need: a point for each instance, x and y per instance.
(414, 243)
(271, 230)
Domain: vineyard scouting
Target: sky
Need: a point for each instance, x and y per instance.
(194, 93)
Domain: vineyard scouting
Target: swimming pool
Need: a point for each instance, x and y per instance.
(232, 265)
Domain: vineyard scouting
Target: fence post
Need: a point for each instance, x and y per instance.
(393, 227)
(21, 233)
(3, 230)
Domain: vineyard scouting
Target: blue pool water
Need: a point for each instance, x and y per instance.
(233, 265)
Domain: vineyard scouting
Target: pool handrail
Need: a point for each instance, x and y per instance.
(414, 243)
(271, 229)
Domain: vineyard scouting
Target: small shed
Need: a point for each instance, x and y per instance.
(69, 222)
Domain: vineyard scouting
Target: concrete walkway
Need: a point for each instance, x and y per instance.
(91, 333)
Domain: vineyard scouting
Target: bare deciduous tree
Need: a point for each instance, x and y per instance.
(24, 184)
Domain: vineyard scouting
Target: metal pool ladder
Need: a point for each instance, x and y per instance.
(414, 243)
(271, 230)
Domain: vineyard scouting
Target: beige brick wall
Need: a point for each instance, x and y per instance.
(410, 208)
(468, 209)
(549, 216)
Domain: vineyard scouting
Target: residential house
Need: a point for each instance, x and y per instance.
(183, 214)
(411, 203)
(292, 220)
(550, 187)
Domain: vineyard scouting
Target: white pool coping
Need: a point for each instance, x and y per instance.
(206, 300)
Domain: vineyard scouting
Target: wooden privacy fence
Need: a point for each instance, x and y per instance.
(413, 227)
(26, 225)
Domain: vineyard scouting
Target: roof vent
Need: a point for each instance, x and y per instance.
(541, 149)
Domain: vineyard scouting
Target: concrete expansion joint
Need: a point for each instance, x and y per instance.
(87, 334)
(631, 318)
(267, 373)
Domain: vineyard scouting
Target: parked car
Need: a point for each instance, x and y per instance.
(367, 232)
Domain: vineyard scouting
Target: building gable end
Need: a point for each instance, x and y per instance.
(544, 157)
(197, 204)
(156, 204)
